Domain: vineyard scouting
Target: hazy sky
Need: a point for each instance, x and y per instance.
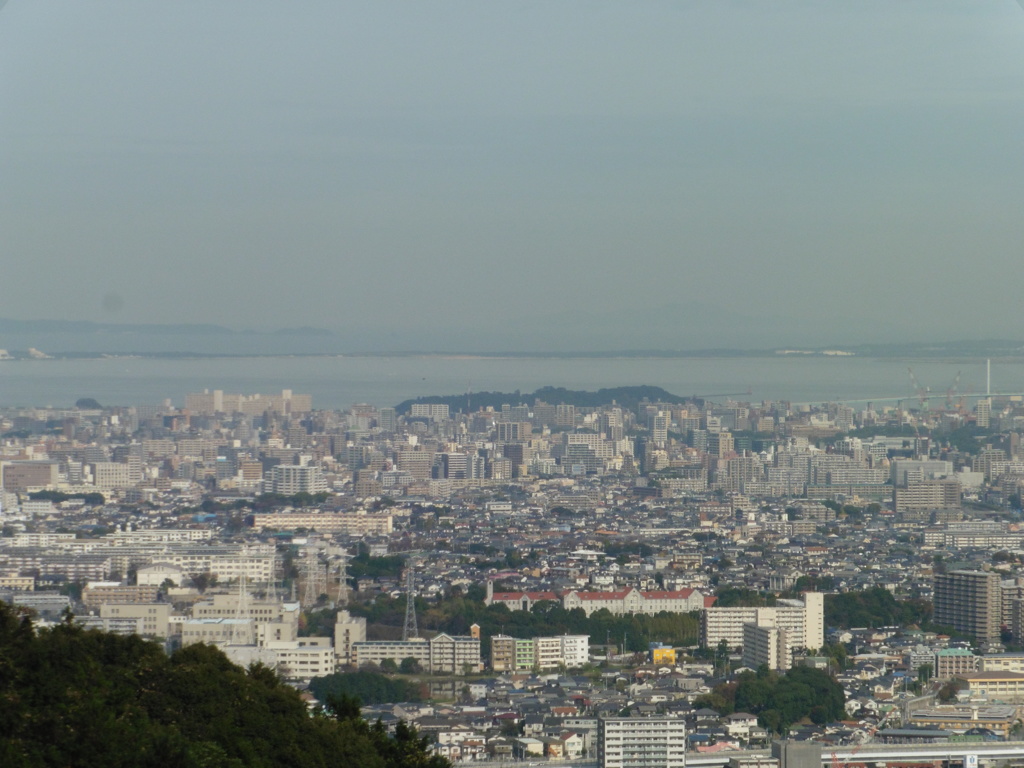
(823, 169)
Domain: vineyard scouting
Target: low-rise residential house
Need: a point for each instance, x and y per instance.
(738, 724)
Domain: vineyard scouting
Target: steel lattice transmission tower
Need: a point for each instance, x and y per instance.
(239, 634)
(342, 575)
(410, 631)
(316, 578)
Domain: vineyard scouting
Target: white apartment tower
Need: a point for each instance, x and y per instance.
(766, 645)
(348, 629)
(803, 620)
(289, 479)
(641, 742)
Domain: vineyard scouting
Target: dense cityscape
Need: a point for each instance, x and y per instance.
(531, 580)
(511, 384)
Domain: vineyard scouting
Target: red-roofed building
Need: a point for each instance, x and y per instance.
(517, 601)
(620, 603)
(630, 601)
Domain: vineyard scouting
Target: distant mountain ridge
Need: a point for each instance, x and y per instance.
(98, 338)
(10, 325)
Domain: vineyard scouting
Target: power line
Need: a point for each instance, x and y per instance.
(409, 631)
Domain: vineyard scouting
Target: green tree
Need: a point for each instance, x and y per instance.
(837, 653)
(947, 692)
(70, 696)
(875, 607)
(407, 749)
(203, 581)
(781, 700)
(410, 666)
(368, 687)
(730, 597)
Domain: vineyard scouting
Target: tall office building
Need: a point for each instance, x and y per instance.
(720, 443)
(983, 412)
(565, 415)
(641, 742)
(387, 419)
(612, 425)
(970, 602)
(659, 429)
(455, 465)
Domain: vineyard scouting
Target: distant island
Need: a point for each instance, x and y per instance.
(628, 397)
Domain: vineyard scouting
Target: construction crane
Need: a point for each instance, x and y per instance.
(952, 392)
(921, 392)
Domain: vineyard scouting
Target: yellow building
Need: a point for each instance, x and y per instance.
(998, 718)
(663, 656)
(996, 686)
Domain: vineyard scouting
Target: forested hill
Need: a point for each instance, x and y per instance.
(627, 397)
(69, 696)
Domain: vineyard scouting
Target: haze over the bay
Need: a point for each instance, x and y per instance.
(517, 176)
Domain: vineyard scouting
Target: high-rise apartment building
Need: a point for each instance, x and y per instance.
(432, 411)
(641, 742)
(348, 630)
(803, 621)
(417, 463)
(290, 479)
(930, 494)
(767, 645)
(970, 602)
(22, 475)
(659, 429)
(565, 415)
(612, 424)
(983, 412)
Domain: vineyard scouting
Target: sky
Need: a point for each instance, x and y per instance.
(517, 176)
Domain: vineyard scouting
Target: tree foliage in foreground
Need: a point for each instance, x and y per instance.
(70, 696)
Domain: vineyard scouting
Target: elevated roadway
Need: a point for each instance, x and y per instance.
(950, 754)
